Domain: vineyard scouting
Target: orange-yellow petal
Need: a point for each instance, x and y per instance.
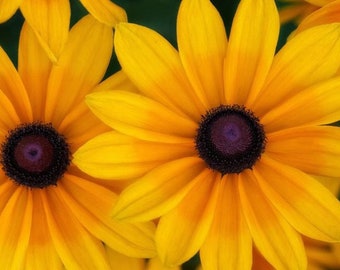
(250, 50)
(34, 68)
(9, 118)
(41, 253)
(91, 204)
(132, 157)
(15, 226)
(306, 59)
(274, 237)
(314, 150)
(228, 244)
(80, 67)
(8, 8)
(120, 261)
(202, 44)
(50, 21)
(141, 117)
(151, 63)
(118, 80)
(160, 190)
(105, 11)
(12, 86)
(76, 247)
(319, 104)
(182, 231)
(327, 14)
(305, 203)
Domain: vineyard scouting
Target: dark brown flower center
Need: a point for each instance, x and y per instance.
(230, 139)
(35, 155)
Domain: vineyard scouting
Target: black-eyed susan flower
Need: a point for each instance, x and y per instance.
(53, 216)
(224, 137)
(50, 19)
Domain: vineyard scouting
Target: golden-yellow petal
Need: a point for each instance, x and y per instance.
(80, 67)
(8, 8)
(202, 45)
(182, 231)
(327, 14)
(41, 253)
(306, 59)
(274, 237)
(305, 203)
(105, 11)
(12, 86)
(151, 63)
(141, 117)
(160, 190)
(228, 244)
(118, 80)
(34, 68)
(132, 157)
(319, 104)
(314, 150)
(9, 118)
(91, 204)
(77, 248)
(16, 218)
(50, 21)
(250, 50)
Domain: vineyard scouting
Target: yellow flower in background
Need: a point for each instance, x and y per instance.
(53, 216)
(297, 10)
(224, 137)
(50, 19)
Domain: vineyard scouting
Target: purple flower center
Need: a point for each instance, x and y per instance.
(230, 139)
(35, 155)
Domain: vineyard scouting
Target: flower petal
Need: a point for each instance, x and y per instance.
(327, 14)
(41, 254)
(202, 44)
(118, 80)
(275, 239)
(132, 157)
(228, 244)
(307, 205)
(11, 85)
(9, 118)
(15, 226)
(50, 21)
(306, 59)
(105, 11)
(181, 232)
(34, 68)
(151, 63)
(250, 50)
(140, 117)
(319, 104)
(80, 67)
(160, 190)
(8, 8)
(77, 248)
(91, 204)
(120, 261)
(314, 150)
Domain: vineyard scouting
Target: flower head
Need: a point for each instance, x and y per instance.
(50, 19)
(224, 138)
(53, 216)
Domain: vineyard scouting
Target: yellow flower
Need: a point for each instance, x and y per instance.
(53, 216)
(224, 137)
(297, 10)
(50, 19)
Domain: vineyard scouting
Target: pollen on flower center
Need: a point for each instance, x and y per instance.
(35, 155)
(230, 139)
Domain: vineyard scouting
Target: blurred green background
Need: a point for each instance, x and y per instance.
(159, 15)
